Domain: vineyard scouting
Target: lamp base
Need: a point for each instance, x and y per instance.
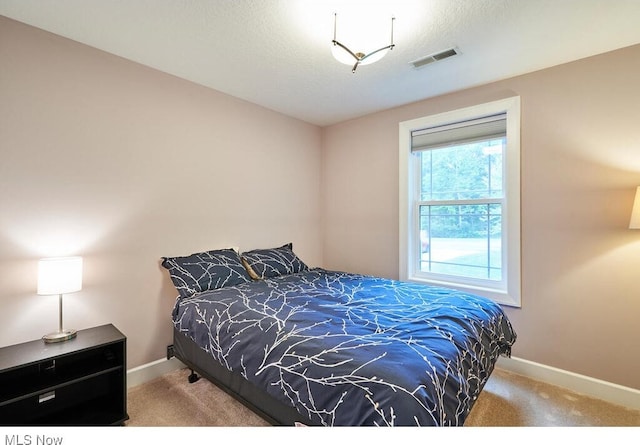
(56, 337)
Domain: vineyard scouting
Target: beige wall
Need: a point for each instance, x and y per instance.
(580, 167)
(121, 164)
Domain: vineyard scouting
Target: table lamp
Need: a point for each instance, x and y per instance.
(57, 276)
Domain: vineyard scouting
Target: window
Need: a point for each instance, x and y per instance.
(460, 200)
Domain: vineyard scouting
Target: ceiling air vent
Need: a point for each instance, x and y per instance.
(426, 60)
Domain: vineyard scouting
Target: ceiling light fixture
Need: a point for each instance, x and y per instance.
(348, 57)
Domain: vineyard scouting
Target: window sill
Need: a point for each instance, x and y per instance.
(500, 296)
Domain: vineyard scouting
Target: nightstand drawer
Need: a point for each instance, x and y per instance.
(66, 404)
(59, 371)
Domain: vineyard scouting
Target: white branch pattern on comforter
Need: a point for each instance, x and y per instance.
(347, 349)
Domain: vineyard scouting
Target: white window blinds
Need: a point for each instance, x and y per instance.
(459, 133)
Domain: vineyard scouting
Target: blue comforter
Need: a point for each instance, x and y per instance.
(347, 349)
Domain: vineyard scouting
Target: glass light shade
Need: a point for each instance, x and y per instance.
(61, 275)
(360, 42)
(635, 212)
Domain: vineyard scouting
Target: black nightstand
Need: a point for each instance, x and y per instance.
(82, 381)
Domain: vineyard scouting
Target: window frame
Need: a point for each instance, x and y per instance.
(510, 293)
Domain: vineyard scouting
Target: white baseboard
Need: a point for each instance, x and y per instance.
(150, 371)
(599, 389)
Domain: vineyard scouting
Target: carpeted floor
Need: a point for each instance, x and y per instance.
(507, 400)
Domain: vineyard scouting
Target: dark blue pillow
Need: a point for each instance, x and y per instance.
(268, 263)
(205, 271)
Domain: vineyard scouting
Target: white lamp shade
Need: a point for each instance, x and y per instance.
(59, 275)
(635, 213)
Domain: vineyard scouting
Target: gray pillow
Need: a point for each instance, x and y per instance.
(204, 271)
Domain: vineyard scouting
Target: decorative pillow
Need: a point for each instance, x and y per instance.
(267, 263)
(203, 271)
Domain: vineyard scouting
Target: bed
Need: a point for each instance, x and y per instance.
(311, 346)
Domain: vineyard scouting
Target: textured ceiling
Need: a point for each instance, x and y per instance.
(277, 53)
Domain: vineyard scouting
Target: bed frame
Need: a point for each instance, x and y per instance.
(254, 398)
